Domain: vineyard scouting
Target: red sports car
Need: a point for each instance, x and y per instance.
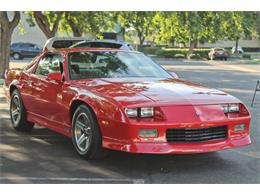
(122, 100)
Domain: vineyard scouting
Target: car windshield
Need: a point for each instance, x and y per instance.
(112, 64)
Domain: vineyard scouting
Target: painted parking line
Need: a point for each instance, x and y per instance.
(196, 67)
(235, 67)
(73, 179)
(213, 66)
(242, 69)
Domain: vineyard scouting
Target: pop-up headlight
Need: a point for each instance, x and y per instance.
(140, 112)
(230, 108)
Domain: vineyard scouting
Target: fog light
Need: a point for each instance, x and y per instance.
(147, 133)
(240, 127)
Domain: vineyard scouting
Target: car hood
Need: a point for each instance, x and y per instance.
(143, 91)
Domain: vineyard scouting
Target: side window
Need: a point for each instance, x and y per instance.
(48, 64)
(28, 46)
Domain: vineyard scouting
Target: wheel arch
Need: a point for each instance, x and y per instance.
(12, 88)
(102, 108)
(76, 103)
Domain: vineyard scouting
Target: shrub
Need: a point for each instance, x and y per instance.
(150, 50)
(199, 53)
(180, 56)
(165, 53)
(195, 56)
(248, 56)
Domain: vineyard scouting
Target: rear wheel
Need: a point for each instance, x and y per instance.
(18, 113)
(86, 134)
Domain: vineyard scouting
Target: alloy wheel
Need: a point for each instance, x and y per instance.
(83, 132)
(16, 110)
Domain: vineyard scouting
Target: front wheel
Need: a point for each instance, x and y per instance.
(17, 56)
(18, 113)
(86, 134)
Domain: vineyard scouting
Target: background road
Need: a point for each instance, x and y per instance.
(42, 156)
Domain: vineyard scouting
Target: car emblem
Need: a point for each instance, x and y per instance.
(197, 113)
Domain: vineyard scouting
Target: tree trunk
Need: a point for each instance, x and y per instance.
(236, 46)
(6, 27)
(141, 37)
(191, 47)
(123, 32)
(44, 25)
(75, 30)
(5, 51)
(141, 40)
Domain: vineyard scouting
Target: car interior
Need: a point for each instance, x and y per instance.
(49, 63)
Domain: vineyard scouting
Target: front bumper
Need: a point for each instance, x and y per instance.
(184, 148)
(129, 141)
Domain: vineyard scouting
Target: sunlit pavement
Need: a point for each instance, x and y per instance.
(42, 156)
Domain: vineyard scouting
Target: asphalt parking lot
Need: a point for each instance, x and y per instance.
(42, 156)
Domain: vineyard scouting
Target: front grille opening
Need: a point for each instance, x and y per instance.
(196, 134)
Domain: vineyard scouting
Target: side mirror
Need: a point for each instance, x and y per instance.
(56, 76)
(174, 75)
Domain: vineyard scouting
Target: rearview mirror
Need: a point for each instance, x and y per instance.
(174, 75)
(56, 76)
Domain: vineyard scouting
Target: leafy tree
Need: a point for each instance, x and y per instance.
(7, 27)
(258, 25)
(80, 23)
(188, 27)
(236, 25)
(47, 21)
(194, 27)
(140, 21)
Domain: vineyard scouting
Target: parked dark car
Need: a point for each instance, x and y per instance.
(104, 43)
(24, 50)
(218, 53)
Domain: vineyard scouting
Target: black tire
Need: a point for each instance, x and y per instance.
(20, 123)
(94, 150)
(17, 56)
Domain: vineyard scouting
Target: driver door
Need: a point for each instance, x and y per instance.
(48, 93)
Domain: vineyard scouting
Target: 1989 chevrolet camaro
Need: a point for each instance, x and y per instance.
(122, 100)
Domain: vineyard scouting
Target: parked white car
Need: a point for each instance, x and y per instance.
(239, 49)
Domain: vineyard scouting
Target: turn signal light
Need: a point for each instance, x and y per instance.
(240, 127)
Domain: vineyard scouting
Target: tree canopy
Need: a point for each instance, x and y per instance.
(188, 28)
